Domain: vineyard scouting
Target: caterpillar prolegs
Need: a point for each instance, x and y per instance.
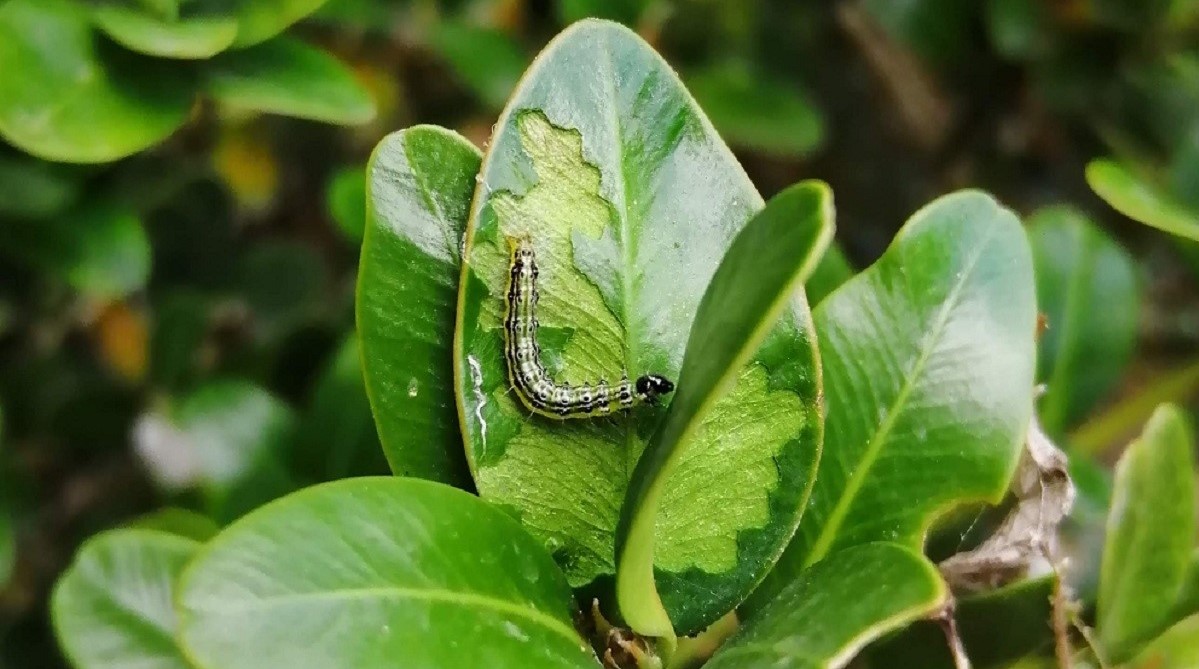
(536, 388)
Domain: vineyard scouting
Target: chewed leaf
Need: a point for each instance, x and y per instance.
(606, 166)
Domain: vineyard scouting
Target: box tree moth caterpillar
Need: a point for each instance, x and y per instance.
(537, 390)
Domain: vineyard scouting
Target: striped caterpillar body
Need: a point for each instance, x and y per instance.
(537, 390)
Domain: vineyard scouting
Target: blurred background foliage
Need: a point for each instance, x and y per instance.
(182, 199)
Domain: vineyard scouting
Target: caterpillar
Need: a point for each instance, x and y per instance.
(533, 384)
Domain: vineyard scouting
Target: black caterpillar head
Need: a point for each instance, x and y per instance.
(651, 386)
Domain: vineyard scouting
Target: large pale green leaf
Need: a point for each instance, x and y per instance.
(1176, 648)
(378, 572)
(196, 37)
(753, 286)
(756, 112)
(826, 615)
(112, 608)
(630, 199)
(287, 76)
(1139, 199)
(65, 97)
(928, 373)
(1150, 535)
(1087, 288)
(260, 20)
(420, 183)
(996, 628)
(99, 249)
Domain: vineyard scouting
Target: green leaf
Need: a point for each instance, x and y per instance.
(289, 77)
(1188, 598)
(996, 628)
(420, 185)
(752, 288)
(97, 248)
(834, 269)
(31, 188)
(1020, 29)
(260, 20)
(180, 325)
(1117, 423)
(752, 111)
(937, 30)
(179, 522)
(1087, 288)
(827, 614)
(280, 306)
(346, 199)
(487, 60)
(8, 545)
(606, 164)
(377, 572)
(112, 608)
(1150, 535)
(1174, 649)
(194, 37)
(928, 373)
(1141, 200)
(338, 438)
(64, 97)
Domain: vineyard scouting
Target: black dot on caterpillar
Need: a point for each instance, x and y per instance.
(533, 384)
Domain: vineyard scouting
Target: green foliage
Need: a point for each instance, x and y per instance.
(363, 572)
(287, 76)
(1142, 200)
(740, 309)
(1150, 535)
(823, 617)
(113, 606)
(68, 96)
(928, 370)
(620, 281)
(1087, 290)
(419, 190)
(177, 331)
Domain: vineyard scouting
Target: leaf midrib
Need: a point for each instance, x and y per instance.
(465, 599)
(853, 485)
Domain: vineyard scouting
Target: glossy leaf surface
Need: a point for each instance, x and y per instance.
(823, 618)
(287, 76)
(420, 182)
(1150, 535)
(378, 572)
(113, 607)
(65, 97)
(928, 371)
(1140, 200)
(630, 199)
(200, 37)
(755, 290)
